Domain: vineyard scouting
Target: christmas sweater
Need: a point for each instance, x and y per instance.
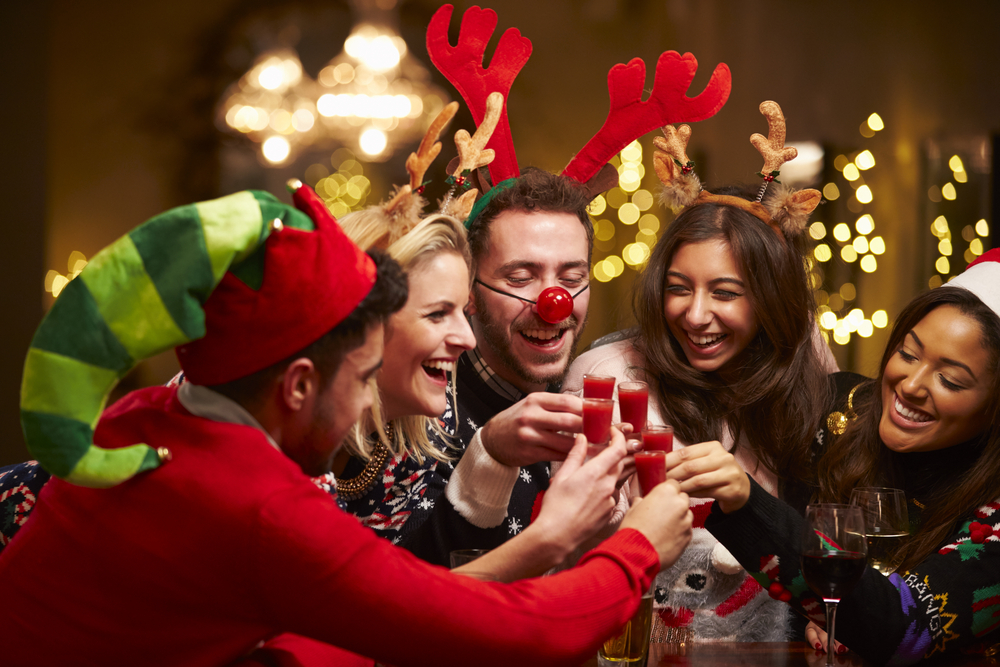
(228, 544)
(405, 493)
(948, 603)
(19, 488)
(430, 526)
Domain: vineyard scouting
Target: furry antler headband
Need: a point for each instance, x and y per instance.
(786, 211)
(382, 225)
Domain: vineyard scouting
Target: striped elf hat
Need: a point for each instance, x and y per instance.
(284, 279)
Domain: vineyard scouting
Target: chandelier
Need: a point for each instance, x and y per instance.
(372, 98)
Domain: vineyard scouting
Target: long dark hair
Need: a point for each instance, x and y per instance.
(780, 387)
(860, 459)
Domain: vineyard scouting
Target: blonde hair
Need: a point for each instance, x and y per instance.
(412, 248)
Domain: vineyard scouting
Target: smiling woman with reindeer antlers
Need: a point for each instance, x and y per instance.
(727, 343)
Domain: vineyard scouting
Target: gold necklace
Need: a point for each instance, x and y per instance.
(837, 422)
(354, 488)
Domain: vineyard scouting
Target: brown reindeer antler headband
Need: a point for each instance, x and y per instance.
(786, 211)
(382, 225)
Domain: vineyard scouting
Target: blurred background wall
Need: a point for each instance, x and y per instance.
(112, 114)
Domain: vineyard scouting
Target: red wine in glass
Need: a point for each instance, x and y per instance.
(834, 554)
(831, 574)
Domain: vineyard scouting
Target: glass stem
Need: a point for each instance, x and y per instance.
(831, 617)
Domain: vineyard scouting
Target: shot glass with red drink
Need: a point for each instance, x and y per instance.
(598, 386)
(633, 404)
(659, 438)
(651, 469)
(597, 420)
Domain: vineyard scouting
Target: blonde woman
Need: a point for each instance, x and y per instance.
(387, 478)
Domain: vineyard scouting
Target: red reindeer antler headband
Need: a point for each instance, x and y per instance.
(629, 117)
(462, 65)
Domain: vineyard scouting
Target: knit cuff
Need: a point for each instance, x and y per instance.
(480, 486)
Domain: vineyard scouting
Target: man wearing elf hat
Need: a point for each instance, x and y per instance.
(531, 239)
(181, 525)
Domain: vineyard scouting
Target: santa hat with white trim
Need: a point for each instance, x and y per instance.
(982, 278)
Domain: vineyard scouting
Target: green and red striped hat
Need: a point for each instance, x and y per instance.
(235, 284)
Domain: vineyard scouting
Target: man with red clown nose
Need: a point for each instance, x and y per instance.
(531, 241)
(181, 526)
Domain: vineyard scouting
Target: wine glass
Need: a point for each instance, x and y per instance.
(833, 556)
(886, 524)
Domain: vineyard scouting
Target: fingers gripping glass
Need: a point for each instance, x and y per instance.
(555, 304)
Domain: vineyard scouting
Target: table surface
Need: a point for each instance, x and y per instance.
(763, 654)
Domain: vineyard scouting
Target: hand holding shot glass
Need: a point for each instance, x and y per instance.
(597, 420)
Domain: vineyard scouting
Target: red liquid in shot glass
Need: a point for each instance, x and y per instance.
(658, 439)
(651, 469)
(597, 420)
(633, 402)
(598, 386)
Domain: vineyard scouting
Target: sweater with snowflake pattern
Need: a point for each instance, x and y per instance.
(408, 503)
(948, 603)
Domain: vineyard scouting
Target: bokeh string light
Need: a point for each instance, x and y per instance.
(839, 319)
(344, 190)
(627, 204)
(974, 235)
(56, 282)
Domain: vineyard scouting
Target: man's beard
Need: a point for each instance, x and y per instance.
(499, 339)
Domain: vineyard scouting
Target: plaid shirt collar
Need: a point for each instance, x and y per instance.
(494, 381)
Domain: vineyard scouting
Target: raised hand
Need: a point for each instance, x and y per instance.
(707, 470)
(536, 428)
(580, 498)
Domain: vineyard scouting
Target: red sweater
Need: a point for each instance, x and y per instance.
(230, 543)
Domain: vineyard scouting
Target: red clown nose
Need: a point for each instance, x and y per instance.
(554, 305)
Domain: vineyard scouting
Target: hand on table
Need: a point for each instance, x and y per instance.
(664, 517)
(534, 429)
(707, 470)
(816, 637)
